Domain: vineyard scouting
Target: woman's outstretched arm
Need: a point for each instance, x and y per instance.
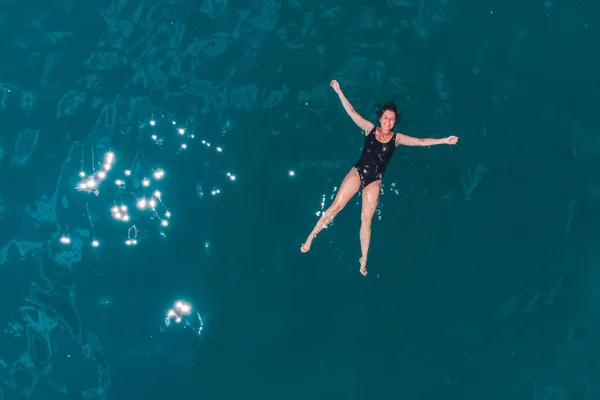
(412, 141)
(362, 123)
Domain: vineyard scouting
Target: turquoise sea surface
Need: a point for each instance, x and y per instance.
(162, 162)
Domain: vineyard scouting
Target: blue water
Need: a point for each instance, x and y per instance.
(483, 268)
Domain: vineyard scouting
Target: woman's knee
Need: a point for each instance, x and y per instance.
(334, 209)
(366, 217)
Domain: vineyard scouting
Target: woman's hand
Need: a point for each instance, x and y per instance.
(335, 85)
(451, 140)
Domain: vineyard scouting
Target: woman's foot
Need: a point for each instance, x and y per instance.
(363, 266)
(306, 245)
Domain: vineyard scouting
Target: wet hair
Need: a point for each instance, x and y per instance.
(381, 108)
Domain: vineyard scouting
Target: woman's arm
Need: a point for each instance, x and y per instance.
(362, 123)
(411, 141)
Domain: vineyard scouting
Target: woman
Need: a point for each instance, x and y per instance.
(380, 143)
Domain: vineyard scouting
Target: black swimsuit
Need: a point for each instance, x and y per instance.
(374, 158)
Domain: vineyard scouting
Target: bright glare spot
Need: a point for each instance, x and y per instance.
(127, 172)
(145, 182)
(109, 157)
(291, 173)
(181, 131)
(154, 137)
(168, 214)
(152, 203)
(158, 174)
(219, 149)
(95, 243)
(90, 184)
(156, 194)
(114, 209)
(81, 174)
(65, 239)
(184, 308)
(164, 222)
(184, 146)
(141, 203)
(119, 182)
(106, 166)
(126, 218)
(231, 176)
(123, 207)
(152, 122)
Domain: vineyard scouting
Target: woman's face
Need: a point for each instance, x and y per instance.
(388, 120)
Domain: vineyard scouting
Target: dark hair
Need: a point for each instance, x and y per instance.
(381, 108)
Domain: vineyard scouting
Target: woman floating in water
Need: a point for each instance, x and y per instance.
(380, 143)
